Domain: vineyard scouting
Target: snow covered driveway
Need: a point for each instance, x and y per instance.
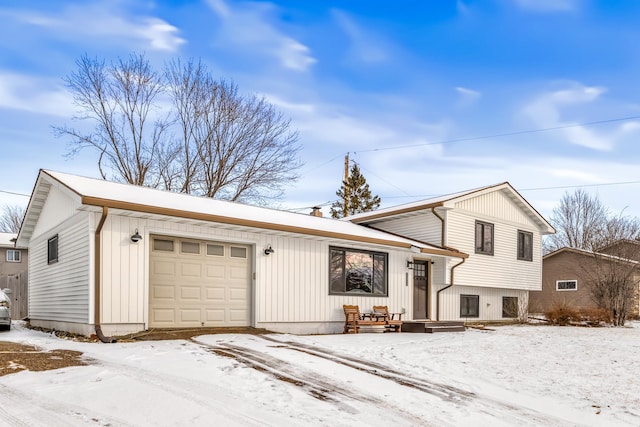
(515, 375)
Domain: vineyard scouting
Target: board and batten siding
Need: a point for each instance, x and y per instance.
(421, 225)
(503, 269)
(60, 291)
(290, 286)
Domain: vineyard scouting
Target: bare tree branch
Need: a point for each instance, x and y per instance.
(11, 218)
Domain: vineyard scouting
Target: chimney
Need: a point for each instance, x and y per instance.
(316, 211)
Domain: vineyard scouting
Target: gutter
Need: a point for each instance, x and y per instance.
(446, 287)
(97, 266)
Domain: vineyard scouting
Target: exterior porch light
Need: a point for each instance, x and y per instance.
(269, 250)
(410, 265)
(136, 237)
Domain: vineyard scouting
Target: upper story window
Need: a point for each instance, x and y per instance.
(52, 250)
(566, 285)
(355, 272)
(484, 238)
(525, 245)
(14, 255)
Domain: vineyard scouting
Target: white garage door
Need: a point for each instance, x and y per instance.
(198, 283)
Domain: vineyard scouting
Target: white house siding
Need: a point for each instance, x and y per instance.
(421, 225)
(502, 269)
(291, 286)
(57, 208)
(490, 302)
(60, 291)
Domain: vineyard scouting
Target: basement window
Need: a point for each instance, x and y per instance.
(354, 272)
(469, 306)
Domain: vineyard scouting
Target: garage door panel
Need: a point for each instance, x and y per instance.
(190, 315)
(191, 269)
(190, 293)
(166, 292)
(163, 268)
(190, 289)
(214, 315)
(215, 271)
(239, 272)
(215, 294)
(163, 316)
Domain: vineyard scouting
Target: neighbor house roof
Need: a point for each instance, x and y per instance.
(588, 253)
(100, 193)
(6, 239)
(448, 201)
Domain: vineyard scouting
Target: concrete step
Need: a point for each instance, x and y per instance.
(430, 327)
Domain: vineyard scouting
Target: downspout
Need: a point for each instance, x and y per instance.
(437, 215)
(451, 283)
(97, 270)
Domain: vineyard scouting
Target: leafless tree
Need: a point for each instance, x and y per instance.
(613, 281)
(11, 218)
(120, 99)
(232, 146)
(208, 139)
(582, 222)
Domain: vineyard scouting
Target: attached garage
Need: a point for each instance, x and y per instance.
(195, 283)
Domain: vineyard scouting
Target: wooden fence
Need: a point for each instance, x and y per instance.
(17, 284)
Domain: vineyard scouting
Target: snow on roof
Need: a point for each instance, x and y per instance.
(143, 199)
(5, 239)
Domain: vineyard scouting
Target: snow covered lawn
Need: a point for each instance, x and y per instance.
(513, 375)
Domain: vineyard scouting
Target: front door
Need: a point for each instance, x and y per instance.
(420, 290)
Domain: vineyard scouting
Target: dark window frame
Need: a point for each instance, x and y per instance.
(340, 278)
(525, 253)
(471, 303)
(481, 237)
(509, 303)
(13, 258)
(52, 250)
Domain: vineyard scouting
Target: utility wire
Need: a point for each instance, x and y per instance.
(499, 135)
(15, 194)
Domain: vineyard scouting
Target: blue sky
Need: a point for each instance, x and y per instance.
(428, 97)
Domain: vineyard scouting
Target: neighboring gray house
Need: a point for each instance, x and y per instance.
(13, 273)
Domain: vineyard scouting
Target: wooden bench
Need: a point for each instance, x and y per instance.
(390, 318)
(353, 320)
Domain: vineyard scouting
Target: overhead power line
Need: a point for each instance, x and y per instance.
(15, 194)
(500, 135)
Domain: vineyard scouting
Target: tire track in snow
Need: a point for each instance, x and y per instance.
(22, 409)
(316, 385)
(449, 393)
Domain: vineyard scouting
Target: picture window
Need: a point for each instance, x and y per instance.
(354, 272)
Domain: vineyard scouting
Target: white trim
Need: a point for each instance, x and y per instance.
(569, 280)
(13, 258)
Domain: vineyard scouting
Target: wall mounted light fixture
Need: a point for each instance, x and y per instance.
(269, 250)
(410, 265)
(136, 237)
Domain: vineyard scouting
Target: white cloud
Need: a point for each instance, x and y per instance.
(546, 112)
(467, 96)
(96, 21)
(548, 5)
(365, 45)
(247, 26)
(42, 96)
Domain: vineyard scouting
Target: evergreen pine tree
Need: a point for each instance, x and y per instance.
(358, 196)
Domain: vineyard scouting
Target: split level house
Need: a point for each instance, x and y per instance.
(114, 259)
